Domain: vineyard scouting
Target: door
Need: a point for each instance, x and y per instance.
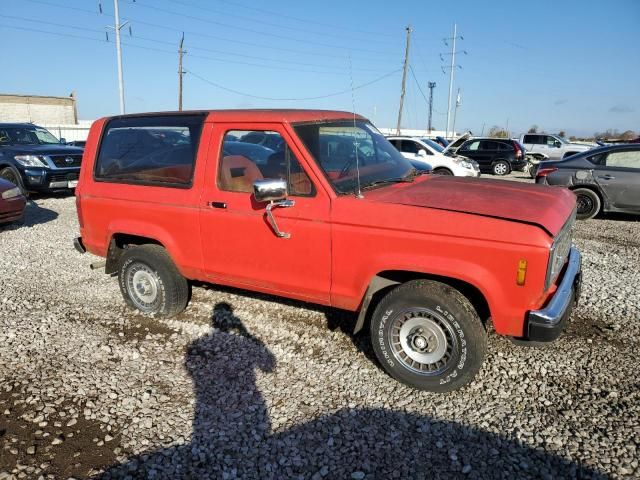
(619, 177)
(239, 244)
(471, 149)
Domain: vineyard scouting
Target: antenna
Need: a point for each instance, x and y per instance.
(355, 143)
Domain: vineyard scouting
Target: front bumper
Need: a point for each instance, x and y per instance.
(545, 325)
(49, 180)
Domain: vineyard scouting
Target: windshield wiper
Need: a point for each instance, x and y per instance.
(406, 179)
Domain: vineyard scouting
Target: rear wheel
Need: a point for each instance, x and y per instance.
(587, 203)
(150, 282)
(501, 168)
(442, 171)
(428, 335)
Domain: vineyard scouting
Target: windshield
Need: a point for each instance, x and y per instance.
(26, 136)
(562, 139)
(338, 146)
(436, 146)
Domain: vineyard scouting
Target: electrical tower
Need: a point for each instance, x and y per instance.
(451, 68)
(404, 78)
(117, 27)
(181, 72)
(431, 85)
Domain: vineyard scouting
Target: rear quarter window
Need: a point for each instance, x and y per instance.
(149, 150)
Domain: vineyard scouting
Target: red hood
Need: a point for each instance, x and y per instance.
(548, 207)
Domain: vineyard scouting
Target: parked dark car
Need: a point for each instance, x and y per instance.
(12, 202)
(34, 160)
(495, 155)
(605, 179)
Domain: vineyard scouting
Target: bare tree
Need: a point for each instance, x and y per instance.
(533, 129)
(562, 133)
(498, 132)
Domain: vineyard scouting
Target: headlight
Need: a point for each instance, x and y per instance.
(11, 193)
(559, 251)
(466, 164)
(30, 160)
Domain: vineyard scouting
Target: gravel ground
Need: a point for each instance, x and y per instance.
(248, 386)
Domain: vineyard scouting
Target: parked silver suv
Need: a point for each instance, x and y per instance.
(554, 147)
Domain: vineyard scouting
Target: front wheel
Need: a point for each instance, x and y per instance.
(150, 282)
(428, 335)
(11, 175)
(442, 171)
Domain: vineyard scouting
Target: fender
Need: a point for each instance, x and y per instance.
(188, 263)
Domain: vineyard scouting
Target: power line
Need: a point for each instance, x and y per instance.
(319, 97)
(261, 21)
(258, 32)
(206, 35)
(163, 42)
(299, 19)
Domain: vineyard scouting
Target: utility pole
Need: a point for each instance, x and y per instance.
(117, 27)
(431, 85)
(452, 68)
(404, 78)
(455, 112)
(181, 72)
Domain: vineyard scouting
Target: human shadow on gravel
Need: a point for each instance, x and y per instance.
(232, 435)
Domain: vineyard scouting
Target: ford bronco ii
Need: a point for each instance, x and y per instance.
(328, 212)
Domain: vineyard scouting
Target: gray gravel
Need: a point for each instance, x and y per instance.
(249, 386)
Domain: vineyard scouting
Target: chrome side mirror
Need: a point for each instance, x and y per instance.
(275, 192)
(270, 190)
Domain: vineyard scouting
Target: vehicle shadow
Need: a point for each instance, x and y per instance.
(232, 436)
(33, 215)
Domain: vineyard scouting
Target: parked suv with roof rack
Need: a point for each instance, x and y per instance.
(496, 155)
(34, 160)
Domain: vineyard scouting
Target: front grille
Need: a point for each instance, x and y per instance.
(61, 161)
(63, 177)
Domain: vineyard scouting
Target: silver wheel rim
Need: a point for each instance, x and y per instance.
(422, 341)
(500, 169)
(143, 286)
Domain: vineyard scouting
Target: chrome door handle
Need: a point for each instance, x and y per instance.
(607, 177)
(272, 220)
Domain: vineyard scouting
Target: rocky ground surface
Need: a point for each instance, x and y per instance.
(249, 386)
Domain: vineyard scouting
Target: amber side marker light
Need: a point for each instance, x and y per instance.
(522, 272)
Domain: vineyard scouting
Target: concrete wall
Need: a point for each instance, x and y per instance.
(38, 110)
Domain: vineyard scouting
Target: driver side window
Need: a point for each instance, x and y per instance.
(248, 156)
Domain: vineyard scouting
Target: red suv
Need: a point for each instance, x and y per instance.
(329, 213)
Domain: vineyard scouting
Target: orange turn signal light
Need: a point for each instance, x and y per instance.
(522, 272)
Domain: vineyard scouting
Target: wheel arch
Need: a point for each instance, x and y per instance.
(443, 168)
(387, 280)
(604, 204)
(117, 244)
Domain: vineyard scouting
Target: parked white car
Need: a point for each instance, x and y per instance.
(428, 151)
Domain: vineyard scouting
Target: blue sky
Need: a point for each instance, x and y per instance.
(570, 65)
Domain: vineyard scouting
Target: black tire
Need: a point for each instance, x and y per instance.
(588, 203)
(150, 282)
(409, 324)
(442, 171)
(12, 175)
(501, 167)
